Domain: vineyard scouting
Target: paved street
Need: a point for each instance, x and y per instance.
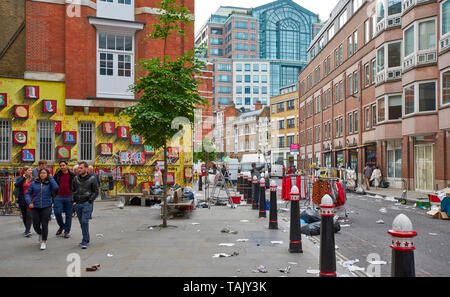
(364, 236)
(123, 245)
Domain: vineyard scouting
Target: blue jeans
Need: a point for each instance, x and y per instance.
(64, 204)
(84, 214)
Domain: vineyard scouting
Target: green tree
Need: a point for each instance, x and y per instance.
(167, 88)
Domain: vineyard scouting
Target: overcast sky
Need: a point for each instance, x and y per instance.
(204, 8)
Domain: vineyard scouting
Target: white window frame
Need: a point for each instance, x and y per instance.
(416, 98)
(38, 140)
(440, 21)
(441, 84)
(416, 50)
(7, 145)
(79, 134)
(386, 107)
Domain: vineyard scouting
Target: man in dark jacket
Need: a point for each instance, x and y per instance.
(86, 190)
(256, 171)
(63, 200)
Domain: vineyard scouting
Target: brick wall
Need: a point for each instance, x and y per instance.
(12, 15)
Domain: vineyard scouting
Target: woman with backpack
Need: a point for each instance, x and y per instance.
(21, 185)
(39, 199)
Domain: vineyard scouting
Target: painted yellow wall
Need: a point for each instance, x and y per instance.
(56, 91)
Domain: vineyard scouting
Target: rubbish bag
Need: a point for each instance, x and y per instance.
(360, 190)
(311, 229)
(310, 216)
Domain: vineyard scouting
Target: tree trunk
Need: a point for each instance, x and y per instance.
(165, 187)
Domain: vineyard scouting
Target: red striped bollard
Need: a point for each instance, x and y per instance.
(327, 247)
(273, 215)
(255, 193)
(295, 236)
(402, 246)
(262, 198)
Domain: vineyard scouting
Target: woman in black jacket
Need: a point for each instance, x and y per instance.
(22, 184)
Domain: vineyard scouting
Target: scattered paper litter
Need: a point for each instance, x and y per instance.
(244, 221)
(378, 197)
(377, 262)
(150, 228)
(383, 210)
(242, 240)
(285, 270)
(99, 235)
(295, 263)
(276, 242)
(312, 271)
(226, 244)
(345, 226)
(110, 255)
(195, 223)
(262, 269)
(433, 234)
(390, 199)
(223, 255)
(283, 209)
(380, 221)
(355, 268)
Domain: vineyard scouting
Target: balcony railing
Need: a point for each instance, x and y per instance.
(408, 4)
(444, 43)
(388, 23)
(388, 75)
(419, 59)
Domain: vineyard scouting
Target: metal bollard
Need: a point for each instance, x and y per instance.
(200, 182)
(255, 193)
(239, 184)
(273, 215)
(295, 236)
(262, 198)
(327, 246)
(248, 189)
(402, 247)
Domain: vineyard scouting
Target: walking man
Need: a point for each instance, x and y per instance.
(367, 171)
(86, 190)
(63, 200)
(35, 172)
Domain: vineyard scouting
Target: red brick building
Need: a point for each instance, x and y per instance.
(376, 91)
(72, 43)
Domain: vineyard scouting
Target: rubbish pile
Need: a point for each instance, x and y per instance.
(312, 223)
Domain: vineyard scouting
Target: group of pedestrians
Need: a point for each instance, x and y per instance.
(372, 174)
(66, 192)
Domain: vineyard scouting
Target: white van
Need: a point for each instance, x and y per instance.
(233, 167)
(277, 170)
(247, 160)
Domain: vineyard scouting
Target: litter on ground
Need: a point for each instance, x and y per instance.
(226, 244)
(285, 270)
(276, 242)
(242, 240)
(383, 210)
(380, 221)
(312, 271)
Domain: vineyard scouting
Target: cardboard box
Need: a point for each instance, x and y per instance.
(434, 213)
(443, 216)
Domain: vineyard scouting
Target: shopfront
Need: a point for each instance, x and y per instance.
(327, 159)
(424, 167)
(353, 159)
(339, 158)
(394, 163)
(371, 154)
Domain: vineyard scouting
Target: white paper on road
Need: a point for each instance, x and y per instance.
(312, 271)
(383, 210)
(433, 234)
(390, 199)
(380, 222)
(276, 242)
(226, 244)
(242, 240)
(343, 226)
(244, 221)
(195, 223)
(110, 255)
(377, 262)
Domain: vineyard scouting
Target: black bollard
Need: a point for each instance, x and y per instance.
(262, 198)
(273, 215)
(248, 189)
(255, 193)
(327, 246)
(239, 183)
(200, 182)
(402, 247)
(295, 236)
